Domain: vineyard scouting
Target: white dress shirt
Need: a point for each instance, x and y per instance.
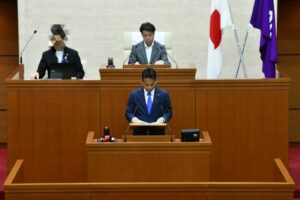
(149, 51)
(59, 55)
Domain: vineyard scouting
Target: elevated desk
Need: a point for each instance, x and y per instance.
(148, 161)
(117, 74)
(146, 66)
(48, 120)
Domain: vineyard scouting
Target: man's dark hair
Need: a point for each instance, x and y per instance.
(57, 29)
(147, 27)
(149, 73)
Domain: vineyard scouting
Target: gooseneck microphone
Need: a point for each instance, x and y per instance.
(173, 61)
(125, 60)
(163, 48)
(28, 41)
(127, 129)
(21, 55)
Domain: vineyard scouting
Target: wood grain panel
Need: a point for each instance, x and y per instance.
(294, 126)
(113, 107)
(8, 28)
(277, 189)
(288, 28)
(50, 131)
(148, 161)
(290, 64)
(3, 126)
(244, 126)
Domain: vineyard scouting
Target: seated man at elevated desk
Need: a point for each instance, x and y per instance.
(149, 104)
(148, 51)
(59, 56)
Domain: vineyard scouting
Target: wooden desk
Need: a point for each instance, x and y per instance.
(148, 161)
(48, 120)
(117, 74)
(147, 66)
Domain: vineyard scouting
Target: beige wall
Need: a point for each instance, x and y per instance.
(97, 26)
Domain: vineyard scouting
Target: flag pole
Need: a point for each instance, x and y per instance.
(244, 46)
(237, 41)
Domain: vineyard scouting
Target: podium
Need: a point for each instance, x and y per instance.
(148, 161)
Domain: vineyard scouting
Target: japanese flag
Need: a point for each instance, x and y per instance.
(219, 18)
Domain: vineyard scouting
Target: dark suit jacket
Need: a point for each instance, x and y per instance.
(161, 107)
(138, 54)
(49, 58)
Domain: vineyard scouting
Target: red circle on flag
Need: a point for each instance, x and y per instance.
(215, 28)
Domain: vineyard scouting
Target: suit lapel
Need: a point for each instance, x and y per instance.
(155, 99)
(155, 50)
(66, 55)
(143, 52)
(142, 97)
(53, 57)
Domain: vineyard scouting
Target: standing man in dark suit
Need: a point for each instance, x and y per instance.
(149, 103)
(58, 53)
(148, 51)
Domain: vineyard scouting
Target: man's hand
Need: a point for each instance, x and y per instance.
(34, 76)
(136, 120)
(161, 120)
(159, 62)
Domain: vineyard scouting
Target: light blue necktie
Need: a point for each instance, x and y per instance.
(149, 102)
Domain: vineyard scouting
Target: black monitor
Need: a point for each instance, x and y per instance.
(62, 71)
(148, 129)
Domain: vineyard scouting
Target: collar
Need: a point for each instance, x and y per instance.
(152, 92)
(146, 46)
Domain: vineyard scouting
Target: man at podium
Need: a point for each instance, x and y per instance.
(149, 105)
(148, 51)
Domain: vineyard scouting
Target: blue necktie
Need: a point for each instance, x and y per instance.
(149, 102)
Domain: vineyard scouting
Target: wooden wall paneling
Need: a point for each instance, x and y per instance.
(243, 124)
(288, 29)
(294, 126)
(289, 57)
(3, 126)
(290, 64)
(183, 108)
(113, 107)
(51, 131)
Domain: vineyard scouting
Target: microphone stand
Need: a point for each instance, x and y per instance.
(21, 57)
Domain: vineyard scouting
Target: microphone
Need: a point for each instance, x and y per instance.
(125, 60)
(134, 46)
(162, 48)
(127, 129)
(21, 57)
(168, 125)
(173, 60)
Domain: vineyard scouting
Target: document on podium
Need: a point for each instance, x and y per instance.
(145, 124)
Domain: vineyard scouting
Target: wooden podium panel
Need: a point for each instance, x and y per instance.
(135, 73)
(280, 188)
(46, 122)
(143, 66)
(148, 161)
(246, 123)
